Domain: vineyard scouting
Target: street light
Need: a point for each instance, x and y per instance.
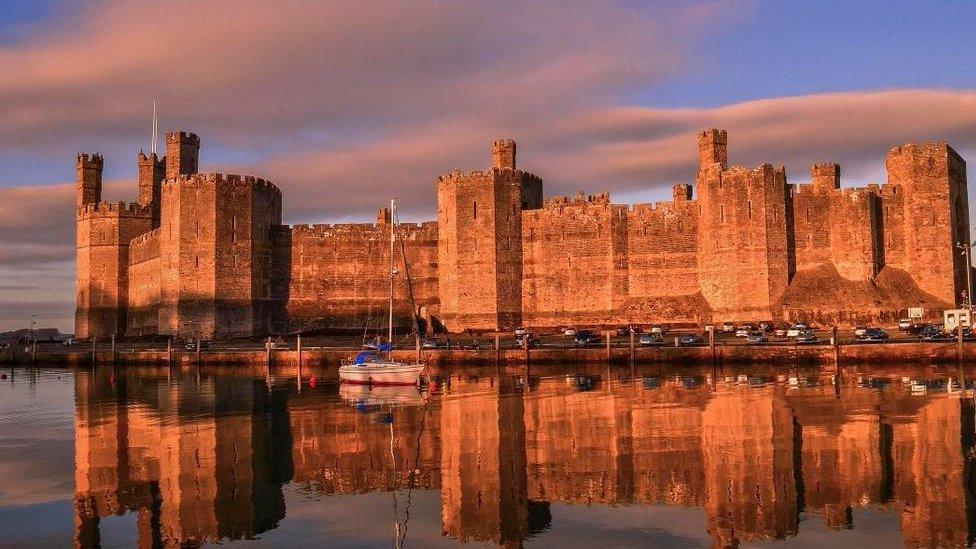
(966, 248)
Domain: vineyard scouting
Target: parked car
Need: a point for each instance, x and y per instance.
(765, 326)
(904, 324)
(569, 332)
(742, 332)
(757, 337)
(432, 343)
(649, 340)
(934, 332)
(532, 339)
(728, 327)
(806, 337)
(657, 329)
(859, 331)
(873, 334)
(64, 343)
(746, 327)
(781, 329)
(795, 329)
(191, 345)
(586, 338)
(520, 331)
(689, 340)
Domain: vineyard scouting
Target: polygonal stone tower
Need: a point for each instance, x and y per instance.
(479, 219)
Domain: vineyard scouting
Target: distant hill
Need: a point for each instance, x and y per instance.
(23, 334)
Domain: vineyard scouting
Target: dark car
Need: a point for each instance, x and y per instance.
(432, 343)
(806, 337)
(934, 332)
(586, 338)
(873, 334)
(191, 345)
(756, 337)
(649, 340)
(689, 340)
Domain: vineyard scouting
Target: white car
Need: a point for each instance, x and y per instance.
(520, 331)
(796, 330)
(657, 329)
(728, 327)
(742, 332)
(569, 332)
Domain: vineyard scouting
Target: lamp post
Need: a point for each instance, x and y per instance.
(966, 248)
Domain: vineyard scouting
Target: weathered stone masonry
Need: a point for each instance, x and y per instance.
(206, 254)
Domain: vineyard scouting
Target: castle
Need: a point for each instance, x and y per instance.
(206, 255)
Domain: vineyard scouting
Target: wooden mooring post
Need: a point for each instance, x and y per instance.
(94, 351)
(169, 352)
(959, 348)
(835, 343)
(298, 348)
(633, 351)
(608, 345)
(113, 349)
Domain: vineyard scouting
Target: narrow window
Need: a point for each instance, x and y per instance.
(749, 213)
(721, 213)
(233, 229)
(196, 260)
(808, 214)
(198, 228)
(475, 210)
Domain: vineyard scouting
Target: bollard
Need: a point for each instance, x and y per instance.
(608, 344)
(113, 349)
(267, 358)
(94, 352)
(198, 351)
(169, 352)
(498, 348)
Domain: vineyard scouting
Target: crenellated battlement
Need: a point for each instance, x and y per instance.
(94, 160)
(114, 209)
(183, 136)
(458, 175)
(216, 178)
(360, 230)
(579, 199)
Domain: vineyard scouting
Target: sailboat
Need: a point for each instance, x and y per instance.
(376, 366)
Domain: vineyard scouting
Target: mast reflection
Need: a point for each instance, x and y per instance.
(205, 462)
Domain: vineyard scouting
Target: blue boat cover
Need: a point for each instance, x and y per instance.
(364, 356)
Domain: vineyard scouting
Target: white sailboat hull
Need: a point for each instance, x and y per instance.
(381, 373)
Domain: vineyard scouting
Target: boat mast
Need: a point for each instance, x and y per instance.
(392, 264)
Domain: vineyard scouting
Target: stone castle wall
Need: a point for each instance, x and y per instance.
(206, 255)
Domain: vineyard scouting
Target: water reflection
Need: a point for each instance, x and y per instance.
(205, 458)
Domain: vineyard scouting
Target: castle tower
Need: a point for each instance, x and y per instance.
(479, 217)
(744, 255)
(503, 154)
(216, 255)
(825, 176)
(713, 148)
(931, 178)
(152, 171)
(182, 154)
(103, 234)
(88, 178)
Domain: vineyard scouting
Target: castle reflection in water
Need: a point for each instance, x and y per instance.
(205, 458)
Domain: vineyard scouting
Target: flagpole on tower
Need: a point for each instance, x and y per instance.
(155, 128)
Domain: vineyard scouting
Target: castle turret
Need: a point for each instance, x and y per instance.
(503, 154)
(932, 180)
(182, 154)
(713, 148)
(152, 171)
(825, 176)
(479, 216)
(743, 246)
(88, 178)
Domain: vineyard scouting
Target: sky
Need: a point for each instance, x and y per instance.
(343, 104)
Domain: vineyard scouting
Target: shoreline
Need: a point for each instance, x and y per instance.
(850, 353)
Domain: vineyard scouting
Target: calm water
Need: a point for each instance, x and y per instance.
(678, 457)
